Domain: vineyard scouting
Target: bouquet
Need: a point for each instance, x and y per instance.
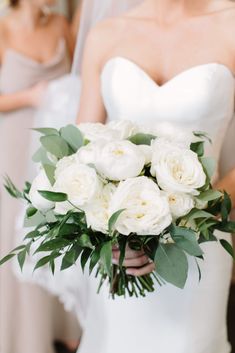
(118, 185)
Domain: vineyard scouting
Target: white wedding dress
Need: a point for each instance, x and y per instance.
(170, 320)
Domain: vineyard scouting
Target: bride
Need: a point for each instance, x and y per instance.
(162, 60)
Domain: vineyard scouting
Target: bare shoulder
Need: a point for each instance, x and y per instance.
(103, 37)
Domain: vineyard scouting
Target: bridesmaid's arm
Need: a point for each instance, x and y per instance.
(31, 97)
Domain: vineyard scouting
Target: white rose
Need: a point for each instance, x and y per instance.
(63, 164)
(119, 160)
(97, 212)
(98, 131)
(177, 169)
(88, 154)
(180, 203)
(81, 183)
(124, 128)
(170, 132)
(146, 210)
(147, 151)
(41, 182)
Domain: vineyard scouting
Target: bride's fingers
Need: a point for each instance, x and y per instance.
(135, 262)
(130, 254)
(137, 272)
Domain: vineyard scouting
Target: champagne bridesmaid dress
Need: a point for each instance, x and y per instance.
(30, 319)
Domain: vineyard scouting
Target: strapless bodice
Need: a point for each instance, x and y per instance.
(200, 98)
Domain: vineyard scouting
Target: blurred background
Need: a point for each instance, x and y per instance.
(31, 320)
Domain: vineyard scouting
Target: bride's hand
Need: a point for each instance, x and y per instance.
(136, 262)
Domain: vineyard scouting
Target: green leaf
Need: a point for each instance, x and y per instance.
(142, 139)
(54, 244)
(227, 227)
(209, 166)
(72, 135)
(198, 148)
(70, 257)
(31, 211)
(53, 196)
(47, 131)
(171, 264)
(6, 258)
(202, 134)
(106, 257)
(55, 145)
(209, 195)
(32, 235)
(21, 258)
(50, 172)
(186, 240)
(113, 219)
(45, 260)
(195, 214)
(85, 257)
(226, 207)
(84, 241)
(95, 257)
(40, 156)
(12, 189)
(34, 221)
(228, 247)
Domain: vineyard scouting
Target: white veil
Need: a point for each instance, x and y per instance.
(94, 11)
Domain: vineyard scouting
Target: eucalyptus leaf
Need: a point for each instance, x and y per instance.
(50, 172)
(185, 239)
(72, 135)
(142, 139)
(171, 264)
(209, 166)
(47, 131)
(55, 145)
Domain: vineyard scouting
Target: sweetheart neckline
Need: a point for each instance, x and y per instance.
(184, 72)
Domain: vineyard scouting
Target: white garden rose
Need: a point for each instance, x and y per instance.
(81, 183)
(146, 210)
(40, 183)
(98, 131)
(177, 169)
(124, 128)
(180, 203)
(97, 212)
(147, 151)
(119, 160)
(63, 164)
(88, 154)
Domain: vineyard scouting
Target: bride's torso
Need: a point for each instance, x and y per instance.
(199, 98)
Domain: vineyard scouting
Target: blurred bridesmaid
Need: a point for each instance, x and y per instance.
(35, 47)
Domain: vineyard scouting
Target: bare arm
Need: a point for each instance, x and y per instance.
(91, 105)
(228, 184)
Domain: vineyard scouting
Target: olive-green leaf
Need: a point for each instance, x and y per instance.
(228, 247)
(6, 258)
(106, 257)
(171, 264)
(47, 131)
(113, 219)
(209, 195)
(53, 196)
